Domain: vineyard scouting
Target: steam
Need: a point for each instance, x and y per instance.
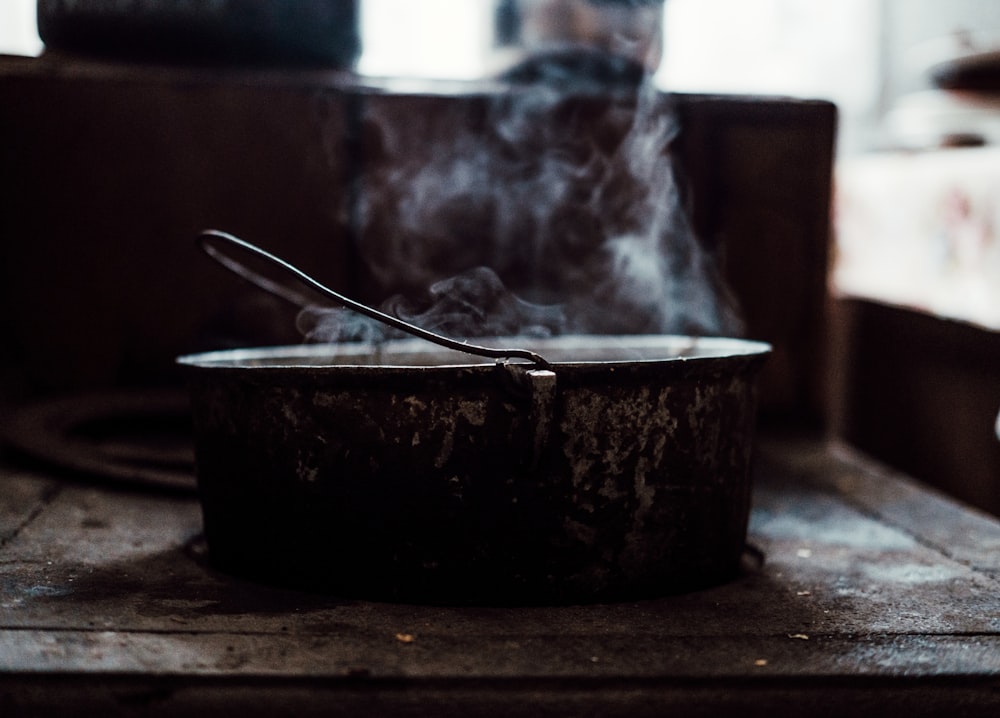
(557, 212)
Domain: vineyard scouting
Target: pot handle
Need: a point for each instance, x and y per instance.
(540, 385)
(543, 401)
(236, 255)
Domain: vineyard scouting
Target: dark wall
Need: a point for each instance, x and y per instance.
(108, 171)
(922, 394)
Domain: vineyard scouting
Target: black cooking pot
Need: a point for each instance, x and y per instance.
(408, 472)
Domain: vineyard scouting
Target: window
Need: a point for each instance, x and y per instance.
(18, 28)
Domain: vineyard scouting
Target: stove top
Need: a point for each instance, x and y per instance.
(139, 437)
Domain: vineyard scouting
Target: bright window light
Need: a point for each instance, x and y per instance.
(803, 48)
(448, 39)
(19, 28)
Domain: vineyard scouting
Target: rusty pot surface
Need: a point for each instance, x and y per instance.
(417, 474)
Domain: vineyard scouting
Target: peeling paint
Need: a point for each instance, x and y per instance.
(415, 405)
(447, 446)
(626, 465)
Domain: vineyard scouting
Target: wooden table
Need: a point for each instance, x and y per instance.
(876, 596)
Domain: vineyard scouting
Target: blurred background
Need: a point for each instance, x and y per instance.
(913, 277)
(865, 55)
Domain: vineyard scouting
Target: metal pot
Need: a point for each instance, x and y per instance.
(413, 473)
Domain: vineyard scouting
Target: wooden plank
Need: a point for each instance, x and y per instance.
(104, 560)
(22, 498)
(107, 603)
(142, 695)
(952, 528)
(549, 657)
(90, 526)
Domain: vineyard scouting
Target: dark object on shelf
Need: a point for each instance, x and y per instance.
(311, 32)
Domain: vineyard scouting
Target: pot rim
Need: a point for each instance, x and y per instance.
(600, 350)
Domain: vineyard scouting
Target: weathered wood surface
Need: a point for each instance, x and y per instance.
(874, 592)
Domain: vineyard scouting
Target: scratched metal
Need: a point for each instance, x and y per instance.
(482, 482)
